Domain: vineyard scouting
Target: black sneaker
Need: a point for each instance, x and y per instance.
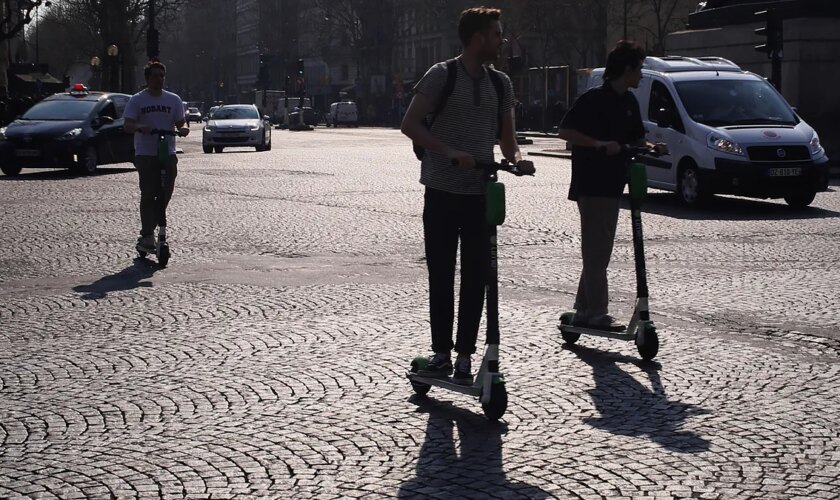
(440, 366)
(463, 373)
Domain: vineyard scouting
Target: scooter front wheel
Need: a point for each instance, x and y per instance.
(495, 408)
(418, 364)
(163, 255)
(647, 341)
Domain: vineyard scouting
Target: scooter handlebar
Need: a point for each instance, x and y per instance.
(492, 167)
(160, 131)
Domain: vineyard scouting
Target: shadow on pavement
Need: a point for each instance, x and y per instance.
(629, 408)
(473, 470)
(128, 279)
(726, 208)
(62, 173)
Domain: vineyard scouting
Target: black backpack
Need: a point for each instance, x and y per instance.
(448, 87)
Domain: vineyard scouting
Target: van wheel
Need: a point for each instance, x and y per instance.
(690, 188)
(800, 200)
(218, 149)
(10, 170)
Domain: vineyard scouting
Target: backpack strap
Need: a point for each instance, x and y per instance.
(500, 94)
(448, 88)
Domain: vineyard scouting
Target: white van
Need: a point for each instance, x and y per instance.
(343, 113)
(728, 131)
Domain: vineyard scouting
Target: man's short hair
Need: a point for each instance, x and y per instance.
(476, 20)
(147, 69)
(626, 53)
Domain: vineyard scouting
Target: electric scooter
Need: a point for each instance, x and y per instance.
(489, 384)
(162, 251)
(641, 328)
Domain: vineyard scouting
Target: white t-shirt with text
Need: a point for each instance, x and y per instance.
(159, 112)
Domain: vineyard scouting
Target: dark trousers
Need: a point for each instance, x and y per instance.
(598, 221)
(151, 214)
(448, 218)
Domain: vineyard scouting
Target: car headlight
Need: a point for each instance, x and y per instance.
(71, 134)
(2, 133)
(209, 128)
(816, 147)
(254, 128)
(726, 145)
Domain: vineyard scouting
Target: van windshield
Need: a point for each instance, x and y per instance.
(721, 103)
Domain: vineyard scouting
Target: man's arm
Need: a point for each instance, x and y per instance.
(131, 126)
(509, 147)
(413, 127)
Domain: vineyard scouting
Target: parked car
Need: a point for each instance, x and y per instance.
(193, 115)
(343, 113)
(728, 131)
(236, 125)
(309, 117)
(78, 129)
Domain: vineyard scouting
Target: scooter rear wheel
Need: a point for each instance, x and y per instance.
(647, 341)
(498, 401)
(418, 364)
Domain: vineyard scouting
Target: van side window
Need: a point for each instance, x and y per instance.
(660, 98)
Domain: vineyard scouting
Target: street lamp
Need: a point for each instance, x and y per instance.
(37, 23)
(95, 67)
(113, 51)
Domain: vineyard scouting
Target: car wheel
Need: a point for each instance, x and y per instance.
(800, 200)
(690, 188)
(89, 162)
(207, 149)
(10, 170)
(218, 149)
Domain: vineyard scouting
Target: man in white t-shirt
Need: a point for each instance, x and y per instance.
(150, 109)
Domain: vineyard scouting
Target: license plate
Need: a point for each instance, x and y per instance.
(784, 172)
(29, 153)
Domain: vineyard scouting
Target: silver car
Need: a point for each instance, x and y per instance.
(236, 125)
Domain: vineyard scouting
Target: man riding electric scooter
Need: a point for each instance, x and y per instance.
(149, 110)
(460, 108)
(600, 122)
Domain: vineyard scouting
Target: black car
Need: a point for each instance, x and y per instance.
(78, 130)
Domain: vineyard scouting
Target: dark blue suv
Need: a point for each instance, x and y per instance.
(79, 130)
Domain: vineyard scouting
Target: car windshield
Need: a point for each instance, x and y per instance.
(60, 110)
(193, 110)
(720, 103)
(236, 114)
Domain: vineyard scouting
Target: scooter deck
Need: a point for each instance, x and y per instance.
(470, 390)
(626, 335)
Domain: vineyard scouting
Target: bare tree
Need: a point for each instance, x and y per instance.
(659, 18)
(16, 14)
(122, 23)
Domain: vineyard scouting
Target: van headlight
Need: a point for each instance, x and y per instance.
(71, 134)
(2, 133)
(719, 143)
(816, 147)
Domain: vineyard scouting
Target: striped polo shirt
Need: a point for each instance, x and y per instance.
(468, 123)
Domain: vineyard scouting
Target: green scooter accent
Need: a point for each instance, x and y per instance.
(638, 181)
(495, 204)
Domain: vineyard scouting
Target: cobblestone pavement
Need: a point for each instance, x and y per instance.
(268, 359)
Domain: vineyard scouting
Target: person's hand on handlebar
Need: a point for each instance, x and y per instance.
(183, 131)
(525, 167)
(465, 160)
(661, 149)
(610, 148)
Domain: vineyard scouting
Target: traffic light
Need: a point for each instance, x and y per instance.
(262, 75)
(300, 69)
(152, 43)
(772, 33)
